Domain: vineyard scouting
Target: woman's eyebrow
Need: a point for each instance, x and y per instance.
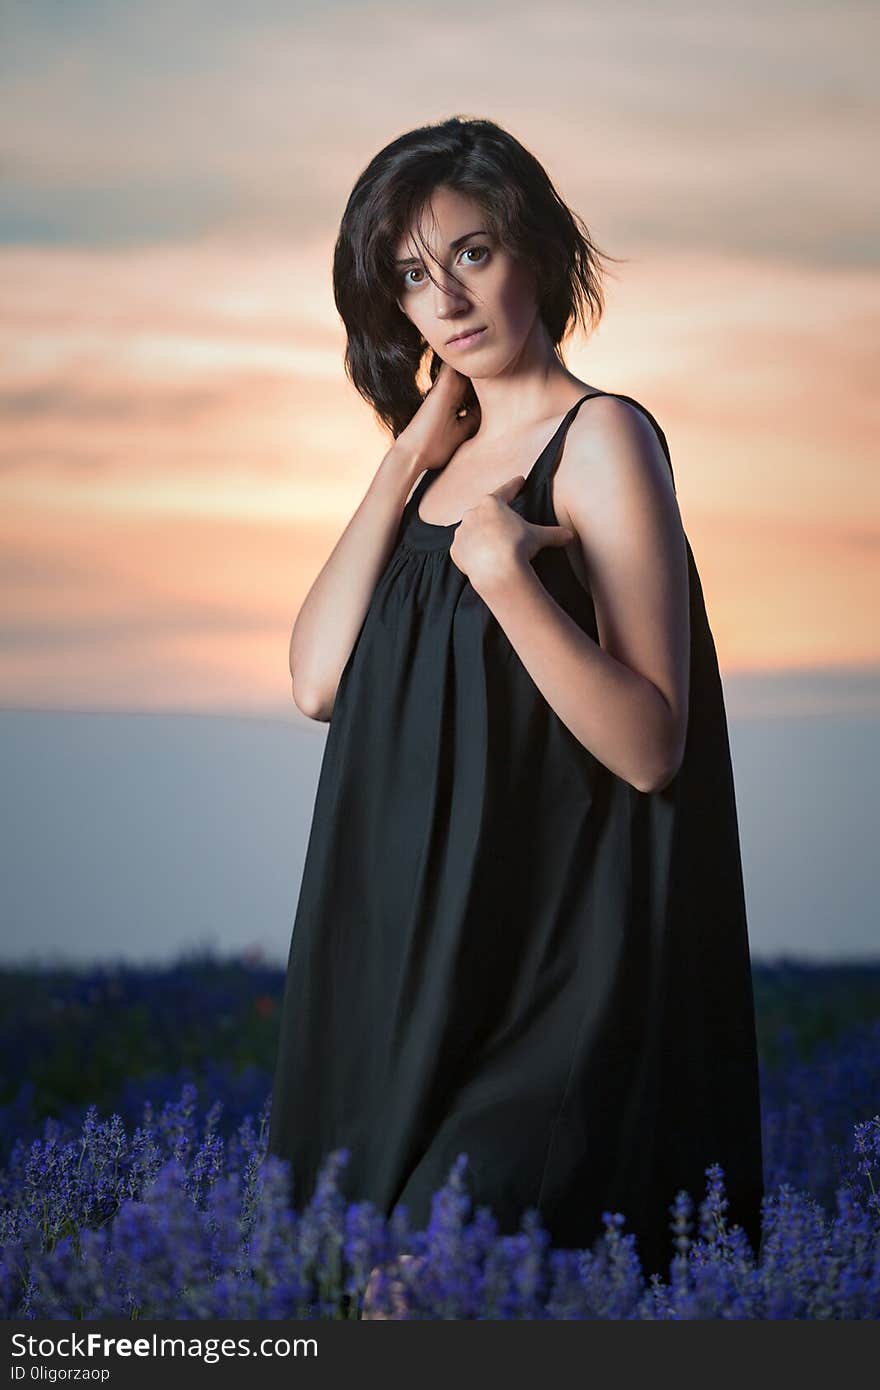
(453, 246)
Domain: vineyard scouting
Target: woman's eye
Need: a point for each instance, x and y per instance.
(416, 270)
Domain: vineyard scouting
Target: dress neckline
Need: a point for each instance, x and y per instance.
(431, 535)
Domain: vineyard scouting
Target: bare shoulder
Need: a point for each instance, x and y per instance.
(610, 444)
(608, 429)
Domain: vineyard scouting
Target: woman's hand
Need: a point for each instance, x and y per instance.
(492, 541)
(436, 430)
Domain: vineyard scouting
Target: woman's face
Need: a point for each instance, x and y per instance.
(492, 291)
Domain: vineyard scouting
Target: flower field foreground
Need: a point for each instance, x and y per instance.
(146, 1205)
(173, 1221)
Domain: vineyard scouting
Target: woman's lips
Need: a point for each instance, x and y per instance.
(467, 339)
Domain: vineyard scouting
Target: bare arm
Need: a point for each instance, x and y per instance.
(334, 609)
(626, 697)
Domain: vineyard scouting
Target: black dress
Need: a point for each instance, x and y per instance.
(502, 948)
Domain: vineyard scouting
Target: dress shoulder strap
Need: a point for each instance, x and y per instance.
(554, 448)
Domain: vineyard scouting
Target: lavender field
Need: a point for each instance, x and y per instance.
(134, 1180)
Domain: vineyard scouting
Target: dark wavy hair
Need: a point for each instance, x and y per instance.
(384, 352)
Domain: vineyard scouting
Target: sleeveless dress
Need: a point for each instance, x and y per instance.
(503, 949)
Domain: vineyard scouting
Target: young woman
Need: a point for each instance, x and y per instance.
(521, 932)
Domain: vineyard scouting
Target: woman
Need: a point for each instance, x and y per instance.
(521, 931)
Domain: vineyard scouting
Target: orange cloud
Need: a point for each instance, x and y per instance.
(182, 450)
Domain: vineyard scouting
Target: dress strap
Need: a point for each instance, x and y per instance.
(554, 448)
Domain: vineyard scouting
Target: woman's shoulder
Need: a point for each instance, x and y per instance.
(609, 430)
(611, 412)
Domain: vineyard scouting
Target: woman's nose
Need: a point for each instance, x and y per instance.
(448, 296)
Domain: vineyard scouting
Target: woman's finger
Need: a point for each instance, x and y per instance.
(509, 489)
(551, 535)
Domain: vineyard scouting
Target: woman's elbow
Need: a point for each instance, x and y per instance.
(312, 704)
(663, 774)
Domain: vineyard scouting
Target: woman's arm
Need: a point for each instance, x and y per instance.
(617, 714)
(334, 609)
(624, 698)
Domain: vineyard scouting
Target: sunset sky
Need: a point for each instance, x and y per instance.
(180, 447)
